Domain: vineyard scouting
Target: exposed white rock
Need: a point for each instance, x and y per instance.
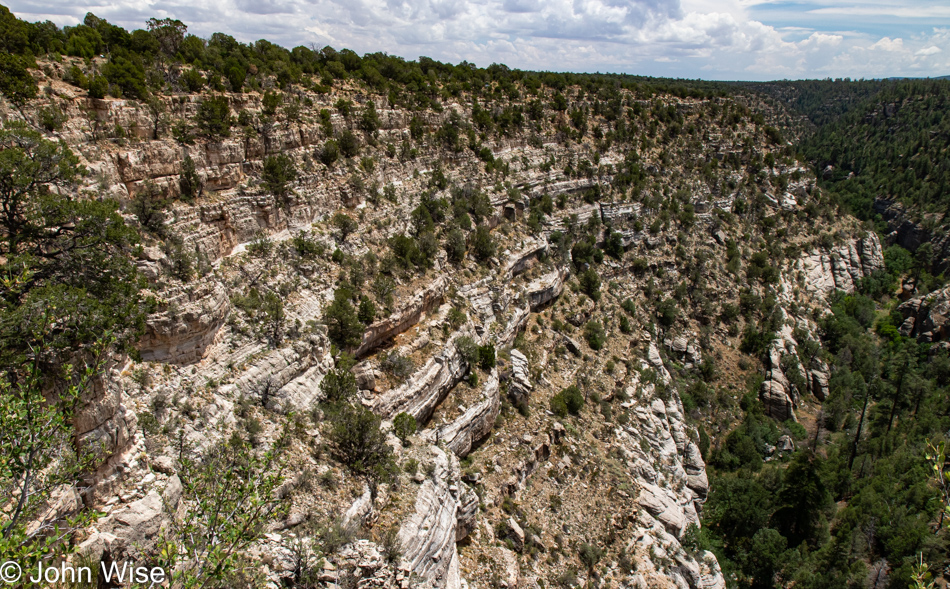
(475, 423)
(428, 536)
(545, 289)
(187, 324)
(520, 387)
(843, 266)
(410, 314)
(927, 318)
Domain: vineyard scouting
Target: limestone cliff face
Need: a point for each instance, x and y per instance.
(927, 317)
(428, 536)
(186, 325)
(475, 424)
(909, 231)
(842, 266)
(628, 468)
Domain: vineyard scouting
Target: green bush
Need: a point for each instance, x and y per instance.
(343, 325)
(568, 401)
(367, 310)
(330, 152)
(192, 80)
(404, 425)
(590, 283)
(189, 183)
(595, 335)
(279, 171)
(468, 349)
(339, 385)
(357, 441)
(486, 357)
(483, 246)
(16, 83)
(214, 118)
(349, 144)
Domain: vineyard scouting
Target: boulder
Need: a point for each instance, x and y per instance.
(785, 444)
(519, 389)
(545, 289)
(514, 533)
(778, 404)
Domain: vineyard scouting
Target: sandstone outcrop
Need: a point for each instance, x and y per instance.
(288, 378)
(475, 423)
(841, 267)
(519, 389)
(927, 318)
(545, 289)
(404, 318)
(426, 388)
(186, 325)
(428, 536)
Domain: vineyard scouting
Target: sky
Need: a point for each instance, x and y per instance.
(709, 39)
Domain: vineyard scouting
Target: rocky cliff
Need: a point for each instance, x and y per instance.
(478, 336)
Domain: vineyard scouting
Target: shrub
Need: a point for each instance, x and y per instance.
(345, 224)
(270, 102)
(590, 283)
(192, 80)
(214, 117)
(279, 171)
(455, 246)
(98, 87)
(369, 120)
(126, 76)
(189, 183)
(404, 425)
(595, 335)
(667, 312)
(52, 118)
(468, 349)
(486, 357)
(568, 401)
(397, 365)
(305, 247)
(343, 326)
(367, 310)
(357, 441)
(755, 342)
(625, 326)
(483, 246)
(589, 554)
(16, 83)
(339, 385)
(330, 152)
(349, 144)
(614, 245)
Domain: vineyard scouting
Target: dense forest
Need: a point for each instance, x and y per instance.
(857, 503)
(828, 516)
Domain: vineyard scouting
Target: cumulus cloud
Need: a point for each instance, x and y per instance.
(721, 39)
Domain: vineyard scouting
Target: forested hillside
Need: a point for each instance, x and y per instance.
(308, 318)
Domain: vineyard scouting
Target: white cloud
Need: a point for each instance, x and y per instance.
(690, 38)
(888, 44)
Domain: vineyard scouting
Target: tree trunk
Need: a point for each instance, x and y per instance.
(857, 436)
